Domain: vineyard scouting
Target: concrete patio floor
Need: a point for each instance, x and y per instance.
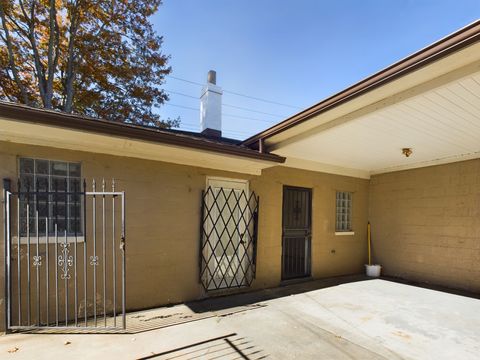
(371, 319)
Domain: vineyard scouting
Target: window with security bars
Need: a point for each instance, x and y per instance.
(344, 211)
(52, 189)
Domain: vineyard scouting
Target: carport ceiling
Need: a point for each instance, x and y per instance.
(441, 124)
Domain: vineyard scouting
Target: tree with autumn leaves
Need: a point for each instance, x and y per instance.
(99, 58)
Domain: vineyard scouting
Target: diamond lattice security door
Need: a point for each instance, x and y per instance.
(229, 236)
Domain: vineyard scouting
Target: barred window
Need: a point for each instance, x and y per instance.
(53, 188)
(344, 211)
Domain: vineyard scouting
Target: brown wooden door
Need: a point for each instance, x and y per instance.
(297, 231)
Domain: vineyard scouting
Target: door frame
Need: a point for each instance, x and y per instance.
(308, 235)
(236, 184)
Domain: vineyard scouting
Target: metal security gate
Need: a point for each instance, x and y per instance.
(297, 230)
(65, 256)
(229, 236)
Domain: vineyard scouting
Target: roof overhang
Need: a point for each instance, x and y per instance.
(429, 101)
(26, 125)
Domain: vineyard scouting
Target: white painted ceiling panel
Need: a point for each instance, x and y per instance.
(439, 124)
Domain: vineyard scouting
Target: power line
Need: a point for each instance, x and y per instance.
(247, 118)
(237, 94)
(190, 127)
(227, 115)
(255, 111)
(183, 107)
(184, 80)
(260, 99)
(196, 127)
(227, 105)
(181, 94)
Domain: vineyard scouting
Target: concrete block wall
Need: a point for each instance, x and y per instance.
(426, 224)
(163, 203)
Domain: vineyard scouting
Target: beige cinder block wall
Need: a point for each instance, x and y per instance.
(331, 255)
(426, 224)
(163, 218)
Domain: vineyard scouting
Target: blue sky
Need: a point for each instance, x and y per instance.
(290, 52)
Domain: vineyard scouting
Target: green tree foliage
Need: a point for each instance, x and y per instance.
(99, 58)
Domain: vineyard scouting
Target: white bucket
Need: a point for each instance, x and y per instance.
(373, 270)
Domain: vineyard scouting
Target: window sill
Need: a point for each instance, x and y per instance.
(344, 233)
(42, 240)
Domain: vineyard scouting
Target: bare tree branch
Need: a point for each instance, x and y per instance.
(52, 54)
(70, 76)
(39, 70)
(23, 30)
(11, 56)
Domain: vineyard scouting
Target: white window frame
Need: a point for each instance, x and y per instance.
(51, 238)
(349, 203)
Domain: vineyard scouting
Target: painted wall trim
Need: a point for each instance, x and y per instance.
(442, 161)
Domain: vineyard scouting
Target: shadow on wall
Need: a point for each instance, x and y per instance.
(230, 346)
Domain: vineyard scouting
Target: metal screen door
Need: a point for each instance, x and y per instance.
(297, 230)
(65, 256)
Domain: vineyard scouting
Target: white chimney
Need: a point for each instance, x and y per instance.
(211, 107)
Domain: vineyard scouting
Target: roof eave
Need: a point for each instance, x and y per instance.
(81, 123)
(454, 42)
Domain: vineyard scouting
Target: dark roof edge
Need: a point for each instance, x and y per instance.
(451, 43)
(76, 122)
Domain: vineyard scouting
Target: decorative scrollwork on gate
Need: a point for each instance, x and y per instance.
(37, 261)
(65, 261)
(94, 260)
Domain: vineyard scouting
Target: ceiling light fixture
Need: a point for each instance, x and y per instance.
(407, 152)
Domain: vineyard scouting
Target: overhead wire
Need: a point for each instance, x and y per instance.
(192, 127)
(227, 115)
(237, 93)
(227, 105)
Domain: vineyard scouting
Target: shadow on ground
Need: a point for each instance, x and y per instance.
(229, 304)
(225, 302)
(230, 346)
(220, 306)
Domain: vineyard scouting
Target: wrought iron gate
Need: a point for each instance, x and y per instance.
(229, 238)
(65, 256)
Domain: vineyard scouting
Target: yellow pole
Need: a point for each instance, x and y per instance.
(369, 245)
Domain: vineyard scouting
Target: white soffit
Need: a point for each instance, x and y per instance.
(51, 136)
(441, 125)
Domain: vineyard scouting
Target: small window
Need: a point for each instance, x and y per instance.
(344, 212)
(53, 189)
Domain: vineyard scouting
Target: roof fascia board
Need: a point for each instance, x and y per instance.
(454, 42)
(15, 132)
(79, 123)
(334, 121)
